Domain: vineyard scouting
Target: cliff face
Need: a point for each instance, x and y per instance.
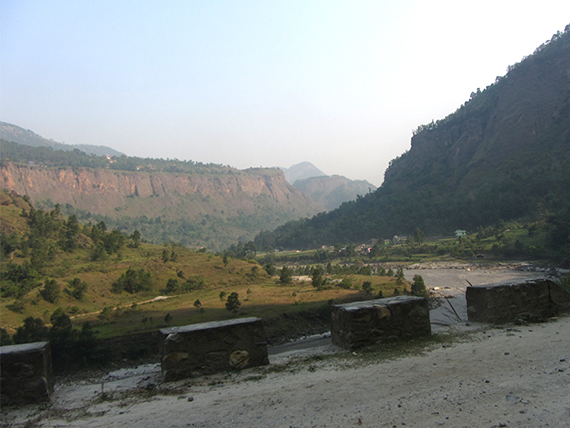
(258, 198)
(88, 189)
(520, 120)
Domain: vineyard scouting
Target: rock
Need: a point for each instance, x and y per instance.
(213, 347)
(516, 301)
(365, 323)
(26, 373)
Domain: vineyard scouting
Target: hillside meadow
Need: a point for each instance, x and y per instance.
(182, 286)
(123, 313)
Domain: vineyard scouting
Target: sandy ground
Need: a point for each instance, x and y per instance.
(513, 376)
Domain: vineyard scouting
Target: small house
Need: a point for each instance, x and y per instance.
(400, 239)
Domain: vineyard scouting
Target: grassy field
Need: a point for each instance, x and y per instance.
(260, 295)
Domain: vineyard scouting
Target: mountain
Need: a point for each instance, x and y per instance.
(19, 135)
(167, 201)
(332, 191)
(301, 171)
(502, 155)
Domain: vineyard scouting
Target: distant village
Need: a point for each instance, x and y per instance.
(365, 249)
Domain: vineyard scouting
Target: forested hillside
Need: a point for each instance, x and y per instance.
(503, 155)
(332, 191)
(175, 201)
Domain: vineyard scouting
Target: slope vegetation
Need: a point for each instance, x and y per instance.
(334, 190)
(502, 155)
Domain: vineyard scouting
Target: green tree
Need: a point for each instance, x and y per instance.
(317, 279)
(133, 281)
(98, 231)
(136, 238)
(172, 285)
(198, 304)
(367, 287)
(105, 314)
(98, 253)
(233, 303)
(270, 269)
(165, 256)
(418, 236)
(5, 338)
(113, 241)
(69, 240)
(286, 276)
(168, 318)
(196, 282)
(250, 249)
(51, 290)
(33, 330)
(222, 295)
(8, 244)
(418, 286)
(78, 288)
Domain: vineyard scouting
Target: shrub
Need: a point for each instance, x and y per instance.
(77, 288)
(172, 285)
(196, 282)
(133, 281)
(346, 283)
(50, 293)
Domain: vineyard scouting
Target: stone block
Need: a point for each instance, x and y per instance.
(26, 373)
(213, 347)
(511, 301)
(559, 298)
(358, 324)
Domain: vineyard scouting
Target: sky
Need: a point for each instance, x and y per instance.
(340, 84)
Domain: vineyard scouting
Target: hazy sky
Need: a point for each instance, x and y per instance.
(341, 84)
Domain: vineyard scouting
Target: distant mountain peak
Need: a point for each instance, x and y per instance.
(26, 137)
(301, 171)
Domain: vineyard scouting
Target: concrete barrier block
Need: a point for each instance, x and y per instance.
(213, 347)
(511, 301)
(26, 373)
(358, 324)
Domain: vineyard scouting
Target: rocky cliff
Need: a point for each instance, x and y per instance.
(238, 203)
